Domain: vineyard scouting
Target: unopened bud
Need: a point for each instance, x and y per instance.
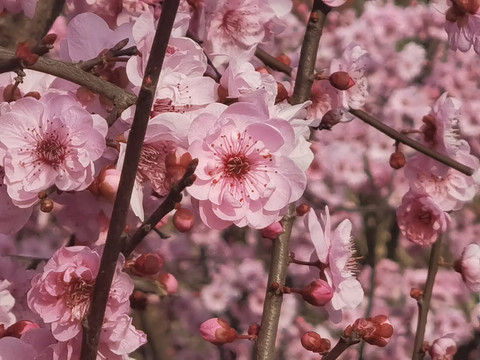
(317, 293)
(314, 342)
(341, 80)
(302, 209)
(169, 282)
(443, 348)
(272, 231)
(20, 328)
(49, 39)
(46, 205)
(253, 329)
(218, 331)
(397, 160)
(375, 331)
(24, 53)
(34, 94)
(148, 264)
(416, 293)
(329, 120)
(282, 93)
(183, 220)
(11, 93)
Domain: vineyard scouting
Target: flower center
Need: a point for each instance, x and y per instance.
(237, 165)
(232, 22)
(78, 295)
(51, 151)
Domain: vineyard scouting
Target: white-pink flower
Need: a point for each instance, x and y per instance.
(469, 267)
(51, 141)
(463, 25)
(420, 219)
(61, 295)
(245, 175)
(335, 251)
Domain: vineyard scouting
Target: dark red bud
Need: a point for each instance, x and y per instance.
(341, 80)
(148, 264)
(397, 160)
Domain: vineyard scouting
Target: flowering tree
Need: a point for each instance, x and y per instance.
(285, 180)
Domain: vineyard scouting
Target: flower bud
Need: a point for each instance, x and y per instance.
(397, 160)
(183, 220)
(443, 348)
(11, 93)
(272, 231)
(24, 53)
(148, 264)
(469, 267)
(20, 328)
(284, 59)
(375, 331)
(253, 329)
(341, 80)
(108, 183)
(217, 331)
(302, 209)
(317, 293)
(169, 282)
(329, 120)
(314, 342)
(46, 205)
(282, 93)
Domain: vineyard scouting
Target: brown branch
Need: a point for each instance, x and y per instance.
(387, 130)
(424, 301)
(173, 197)
(308, 54)
(343, 344)
(92, 325)
(273, 62)
(72, 72)
(273, 298)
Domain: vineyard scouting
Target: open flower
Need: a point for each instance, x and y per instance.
(335, 252)
(52, 141)
(245, 175)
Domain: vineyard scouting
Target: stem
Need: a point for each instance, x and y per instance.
(273, 62)
(308, 54)
(424, 302)
(342, 345)
(92, 325)
(387, 130)
(273, 298)
(72, 72)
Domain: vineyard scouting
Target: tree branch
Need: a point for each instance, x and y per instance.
(93, 323)
(273, 62)
(424, 301)
(308, 54)
(273, 298)
(72, 72)
(387, 130)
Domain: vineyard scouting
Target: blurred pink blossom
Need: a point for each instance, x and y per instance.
(469, 267)
(443, 348)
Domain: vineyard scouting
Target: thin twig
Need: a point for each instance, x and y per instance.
(173, 197)
(92, 325)
(343, 344)
(308, 54)
(71, 72)
(273, 298)
(424, 301)
(387, 130)
(273, 62)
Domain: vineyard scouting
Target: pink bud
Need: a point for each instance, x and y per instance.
(443, 348)
(302, 209)
(217, 331)
(169, 282)
(317, 293)
(314, 342)
(375, 331)
(20, 328)
(253, 330)
(183, 220)
(469, 267)
(272, 231)
(106, 184)
(397, 160)
(341, 80)
(148, 264)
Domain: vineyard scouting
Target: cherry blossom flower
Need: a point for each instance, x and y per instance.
(469, 267)
(334, 250)
(61, 295)
(244, 175)
(51, 141)
(443, 348)
(420, 219)
(14, 6)
(463, 25)
(7, 301)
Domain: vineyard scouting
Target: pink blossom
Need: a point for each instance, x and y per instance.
(443, 348)
(245, 175)
(217, 331)
(7, 301)
(51, 141)
(335, 252)
(15, 6)
(463, 25)
(420, 219)
(469, 267)
(61, 295)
